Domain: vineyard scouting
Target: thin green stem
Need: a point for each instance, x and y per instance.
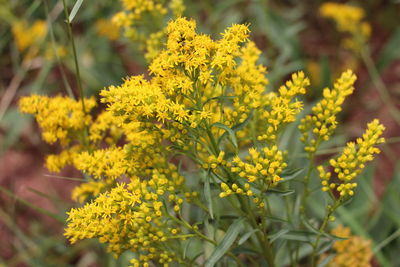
(306, 184)
(78, 75)
(379, 84)
(53, 43)
(261, 235)
(199, 234)
(324, 224)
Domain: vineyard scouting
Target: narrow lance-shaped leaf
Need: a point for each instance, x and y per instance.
(75, 10)
(227, 241)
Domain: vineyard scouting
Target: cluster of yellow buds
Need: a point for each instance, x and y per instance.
(349, 19)
(282, 109)
(322, 122)
(352, 161)
(235, 189)
(213, 162)
(174, 199)
(262, 167)
(355, 251)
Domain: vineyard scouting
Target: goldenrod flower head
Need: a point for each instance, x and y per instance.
(261, 167)
(354, 251)
(349, 19)
(281, 108)
(107, 29)
(322, 122)
(60, 118)
(87, 190)
(110, 163)
(29, 35)
(352, 160)
(55, 163)
(177, 7)
(125, 219)
(140, 21)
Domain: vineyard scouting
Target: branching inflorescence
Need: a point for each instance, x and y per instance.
(205, 110)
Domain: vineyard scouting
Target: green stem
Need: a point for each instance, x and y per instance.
(199, 234)
(261, 235)
(322, 230)
(78, 74)
(380, 86)
(53, 43)
(307, 183)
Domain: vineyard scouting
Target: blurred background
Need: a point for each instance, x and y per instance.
(36, 56)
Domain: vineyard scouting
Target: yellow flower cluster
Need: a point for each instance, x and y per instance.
(87, 190)
(142, 21)
(349, 19)
(352, 160)
(282, 109)
(111, 163)
(29, 36)
(192, 62)
(105, 123)
(202, 104)
(262, 167)
(235, 189)
(55, 163)
(355, 251)
(129, 217)
(61, 118)
(213, 162)
(107, 29)
(322, 122)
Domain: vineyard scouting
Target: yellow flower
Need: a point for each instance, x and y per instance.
(262, 167)
(29, 35)
(280, 108)
(349, 19)
(322, 122)
(355, 251)
(61, 118)
(107, 29)
(141, 21)
(129, 217)
(352, 160)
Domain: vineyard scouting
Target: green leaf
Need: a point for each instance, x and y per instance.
(326, 260)
(229, 131)
(75, 10)
(302, 236)
(247, 236)
(385, 242)
(290, 174)
(278, 234)
(236, 128)
(390, 52)
(13, 122)
(186, 248)
(208, 197)
(281, 193)
(227, 241)
(32, 206)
